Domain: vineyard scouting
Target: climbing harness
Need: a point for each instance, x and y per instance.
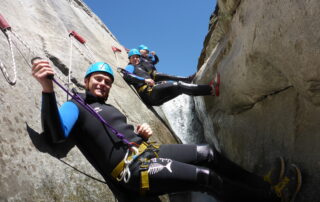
(122, 72)
(140, 158)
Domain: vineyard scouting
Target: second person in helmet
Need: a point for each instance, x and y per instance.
(150, 59)
(156, 94)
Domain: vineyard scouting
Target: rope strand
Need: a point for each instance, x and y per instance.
(14, 67)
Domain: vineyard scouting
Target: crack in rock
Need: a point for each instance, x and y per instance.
(263, 97)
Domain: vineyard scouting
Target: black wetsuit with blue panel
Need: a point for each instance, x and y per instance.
(163, 91)
(175, 169)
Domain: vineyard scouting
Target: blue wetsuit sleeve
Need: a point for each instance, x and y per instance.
(52, 123)
(69, 113)
(130, 68)
(131, 78)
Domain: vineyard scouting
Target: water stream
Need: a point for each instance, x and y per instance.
(184, 121)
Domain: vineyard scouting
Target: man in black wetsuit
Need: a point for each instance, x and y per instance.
(152, 170)
(155, 94)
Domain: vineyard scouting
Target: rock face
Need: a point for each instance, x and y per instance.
(28, 172)
(268, 55)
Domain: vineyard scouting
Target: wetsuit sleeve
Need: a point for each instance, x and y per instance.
(132, 78)
(52, 123)
(69, 113)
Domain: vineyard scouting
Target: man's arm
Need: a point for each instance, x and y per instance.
(56, 125)
(155, 58)
(141, 77)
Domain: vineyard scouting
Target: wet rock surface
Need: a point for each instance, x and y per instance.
(268, 55)
(30, 168)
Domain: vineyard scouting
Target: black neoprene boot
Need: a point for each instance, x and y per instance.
(194, 89)
(227, 190)
(209, 157)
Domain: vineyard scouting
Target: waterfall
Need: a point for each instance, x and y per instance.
(181, 115)
(184, 121)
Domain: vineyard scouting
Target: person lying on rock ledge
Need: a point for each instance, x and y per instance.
(157, 88)
(152, 169)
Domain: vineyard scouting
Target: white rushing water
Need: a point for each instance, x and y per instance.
(181, 115)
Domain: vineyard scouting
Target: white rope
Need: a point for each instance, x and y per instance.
(24, 43)
(92, 55)
(33, 52)
(115, 53)
(14, 67)
(82, 53)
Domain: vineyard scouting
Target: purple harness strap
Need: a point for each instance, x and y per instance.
(79, 99)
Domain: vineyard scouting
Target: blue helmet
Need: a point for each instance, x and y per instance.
(133, 52)
(100, 67)
(143, 47)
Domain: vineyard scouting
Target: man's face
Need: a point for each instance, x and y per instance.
(134, 59)
(144, 52)
(99, 84)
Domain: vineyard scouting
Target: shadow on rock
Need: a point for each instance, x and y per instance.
(43, 143)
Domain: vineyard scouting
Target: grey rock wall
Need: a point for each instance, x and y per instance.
(28, 170)
(268, 55)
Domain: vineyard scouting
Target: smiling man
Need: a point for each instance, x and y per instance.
(137, 167)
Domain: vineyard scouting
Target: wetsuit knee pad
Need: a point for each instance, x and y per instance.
(203, 176)
(205, 153)
(209, 181)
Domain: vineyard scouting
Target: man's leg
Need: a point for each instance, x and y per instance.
(204, 155)
(211, 158)
(170, 176)
(164, 92)
(166, 77)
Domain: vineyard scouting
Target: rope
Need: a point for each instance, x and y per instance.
(86, 106)
(89, 176)
(115, 53)
(33, 52)
(70, 67)
(90, 52)
(82, 53)
(14, 67)
(3, 69)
